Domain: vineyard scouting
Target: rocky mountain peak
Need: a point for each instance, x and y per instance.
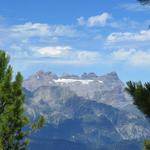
(85, 76)
(90, 75)
(113, 75)
(43, 75)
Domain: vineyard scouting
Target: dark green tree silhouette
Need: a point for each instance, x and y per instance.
(15, 126)
(144, 2)
(141, 97)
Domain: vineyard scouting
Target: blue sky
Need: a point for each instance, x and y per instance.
(77, 36)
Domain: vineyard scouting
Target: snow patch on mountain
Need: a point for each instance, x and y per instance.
(66, 81)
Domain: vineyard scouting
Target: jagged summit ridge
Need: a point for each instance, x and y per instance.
(90, 75)
(106, 88)
(42, 78)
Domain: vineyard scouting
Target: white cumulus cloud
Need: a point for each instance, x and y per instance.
(140, 58)
(140, 36)
(57, 51)
(132, 57)
(67, 55)
(99, 20)
(122, 54)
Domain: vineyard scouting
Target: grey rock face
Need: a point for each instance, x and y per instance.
(106, 89)
(39, 79)
(87, 109)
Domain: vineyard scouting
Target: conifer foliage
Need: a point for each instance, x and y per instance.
(144, 2)
(14, 124)
(141, 96)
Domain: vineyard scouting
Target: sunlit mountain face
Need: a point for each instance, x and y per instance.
(84, 112)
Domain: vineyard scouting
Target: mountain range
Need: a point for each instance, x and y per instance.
(87, 112)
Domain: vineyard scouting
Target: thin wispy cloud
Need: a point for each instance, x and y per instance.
(30, 29)
(135, 7)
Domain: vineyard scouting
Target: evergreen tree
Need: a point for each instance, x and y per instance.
(147, 145)
(14, 124)
(144, 2)
(141, 96)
